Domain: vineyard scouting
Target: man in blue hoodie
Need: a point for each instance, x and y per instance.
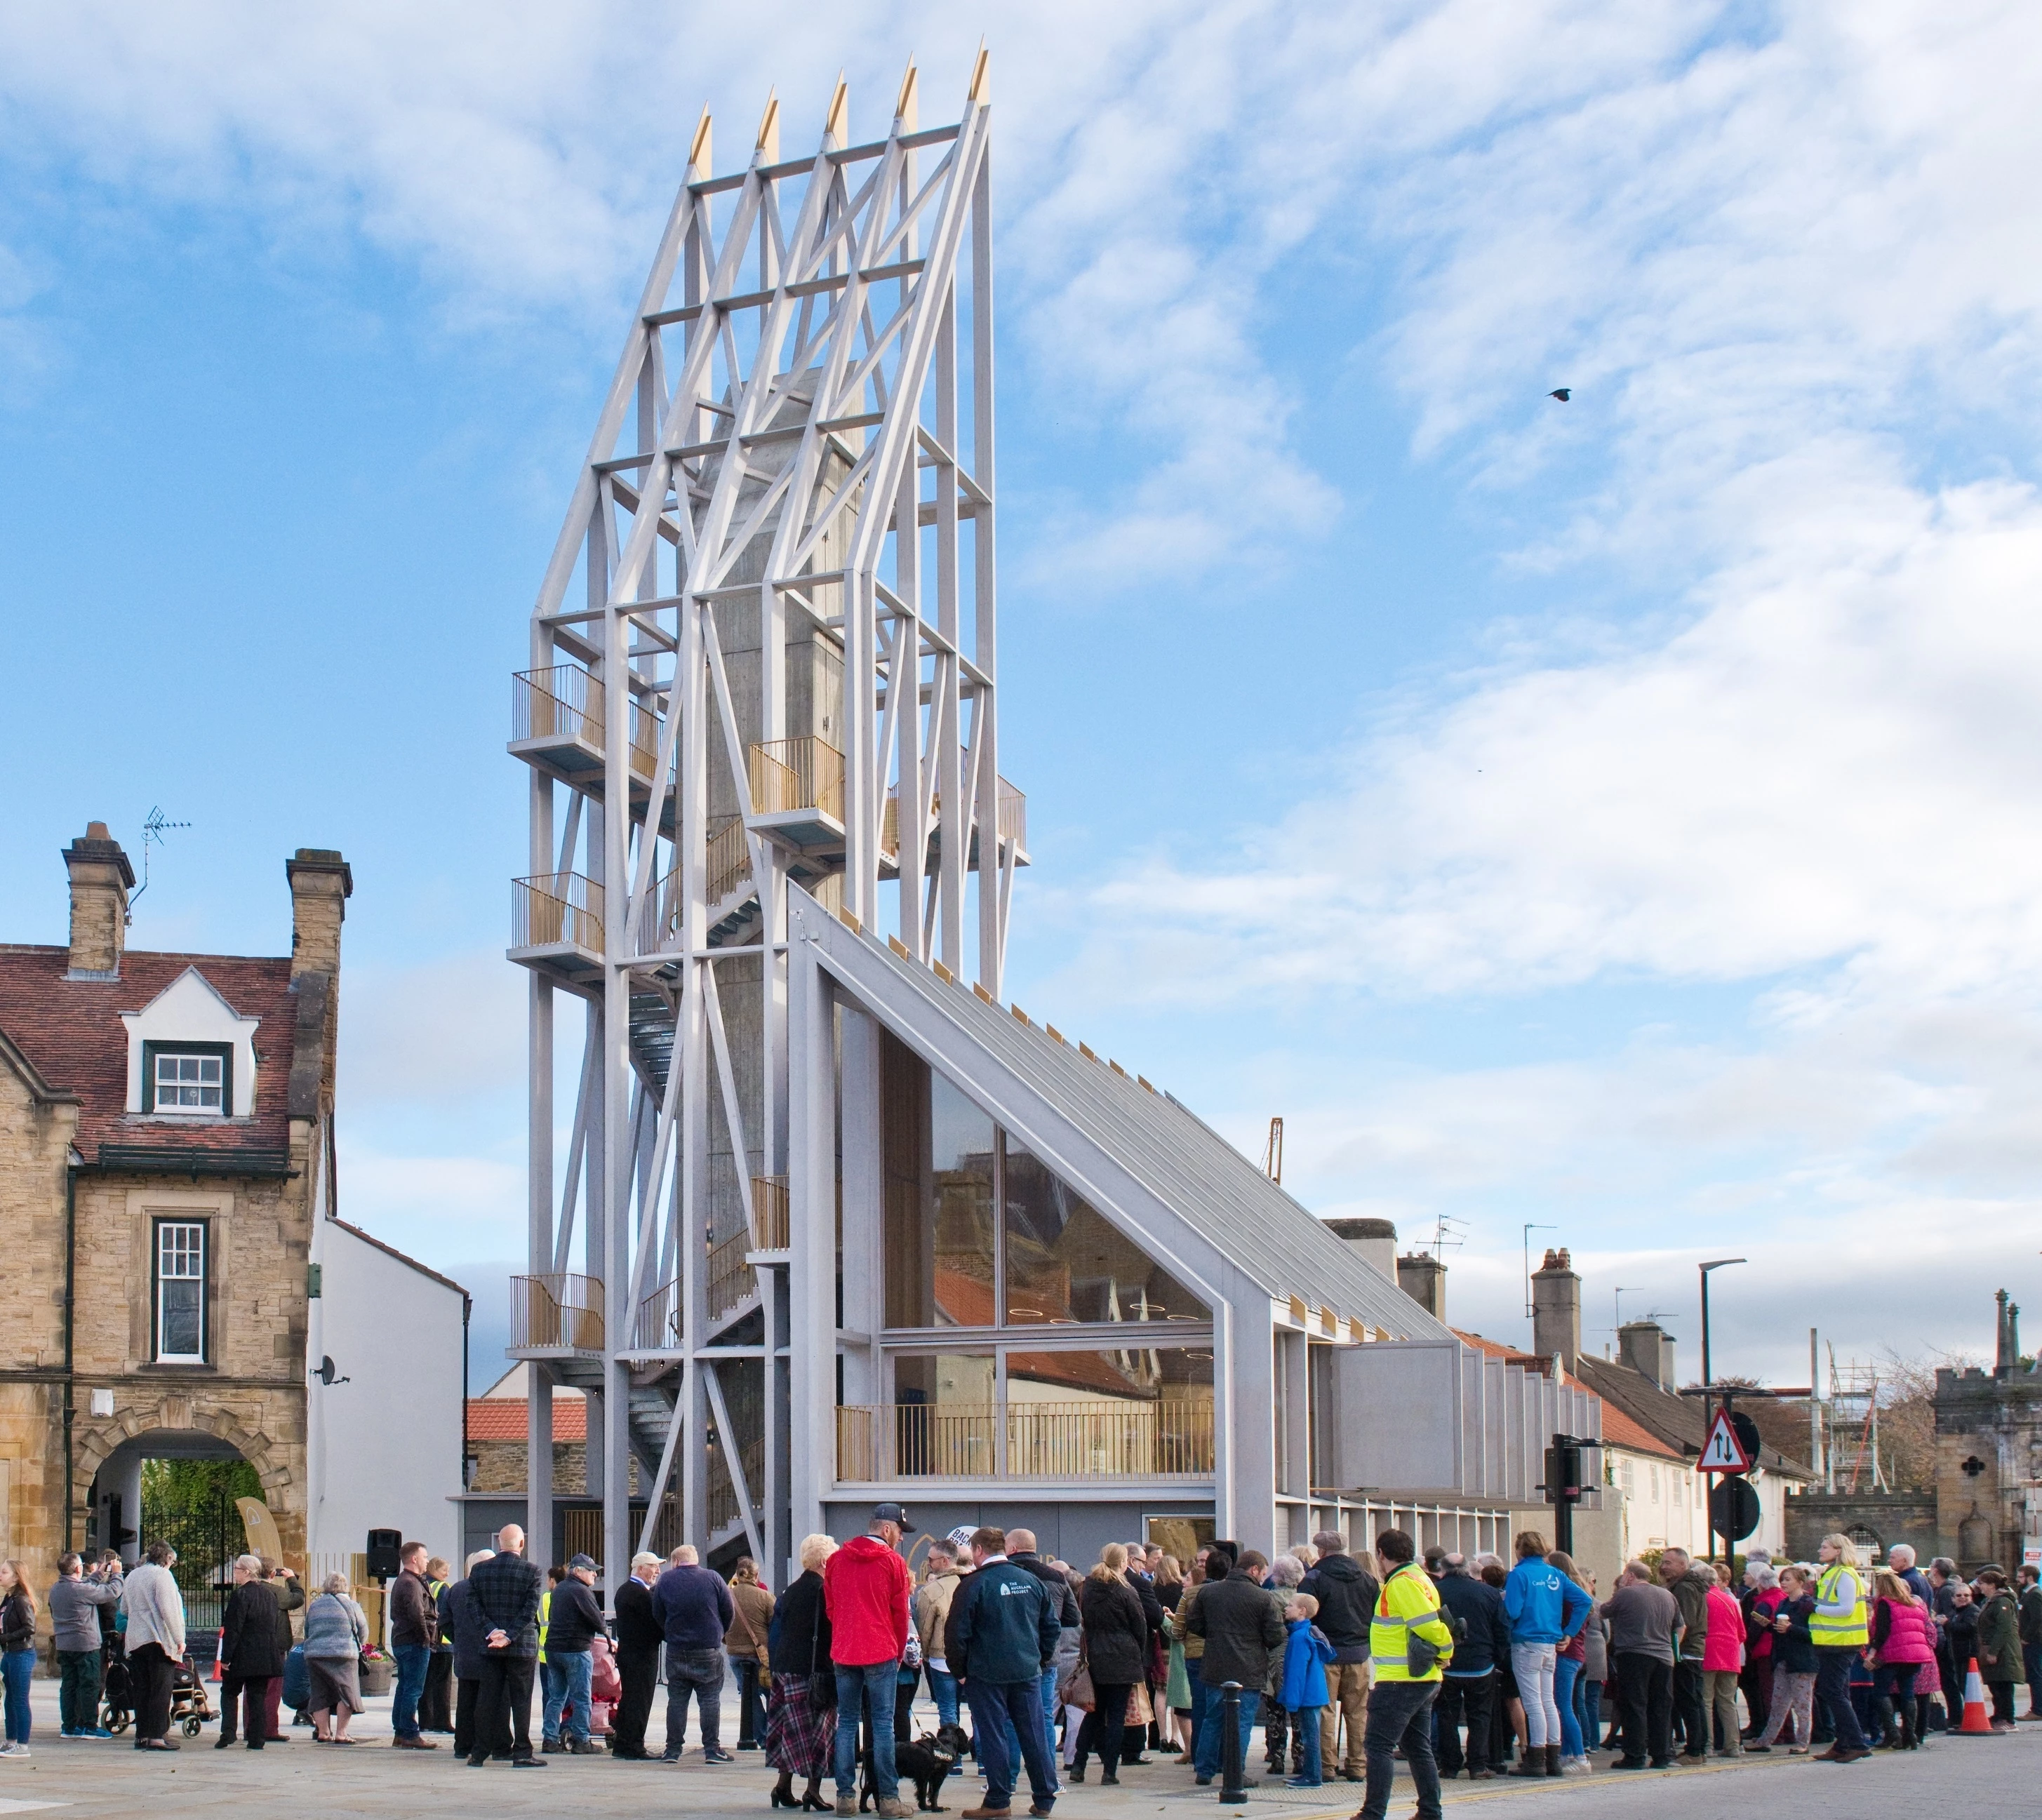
(1002, 1634)
(1545, 1608)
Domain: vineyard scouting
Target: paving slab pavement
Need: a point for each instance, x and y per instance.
(1981, 1779)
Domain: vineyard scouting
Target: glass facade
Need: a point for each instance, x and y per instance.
(979, 1233)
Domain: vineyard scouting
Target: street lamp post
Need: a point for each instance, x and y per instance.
(1708, 1375)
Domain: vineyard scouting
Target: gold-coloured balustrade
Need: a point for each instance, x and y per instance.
(560, 1308)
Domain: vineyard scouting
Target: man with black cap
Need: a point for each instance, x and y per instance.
(866, 1591)
(573, 1622)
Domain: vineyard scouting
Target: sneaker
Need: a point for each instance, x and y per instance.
(1301, 1782)
(1576, 1766)
(713, 1755)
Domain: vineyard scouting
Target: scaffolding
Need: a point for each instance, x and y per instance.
(1853, 1422)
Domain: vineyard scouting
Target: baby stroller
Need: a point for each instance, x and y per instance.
(117, 1687)
(189, 1706)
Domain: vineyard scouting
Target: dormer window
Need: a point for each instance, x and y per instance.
(195, 1080)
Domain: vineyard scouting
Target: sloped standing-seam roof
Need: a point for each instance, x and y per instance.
(1188, 1167)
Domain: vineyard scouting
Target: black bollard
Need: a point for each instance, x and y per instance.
(1231, 1787)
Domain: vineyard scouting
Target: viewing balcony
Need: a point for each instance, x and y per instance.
(770, 1213)
(798, 793)
(561, 1313)
(1100, 1437)
(556, 924)
(1013, 806)
(558, 722)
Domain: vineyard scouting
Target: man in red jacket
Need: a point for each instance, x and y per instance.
(865, 1589)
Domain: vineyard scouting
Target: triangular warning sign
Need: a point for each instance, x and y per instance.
(1722, 1452)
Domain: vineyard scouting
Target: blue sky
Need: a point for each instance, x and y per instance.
(1618, 815)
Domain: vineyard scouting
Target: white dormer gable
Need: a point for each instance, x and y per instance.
(212, 1044)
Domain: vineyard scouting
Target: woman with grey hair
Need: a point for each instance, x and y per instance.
(336, 1633)
(254, 1639)
(1285, 1572)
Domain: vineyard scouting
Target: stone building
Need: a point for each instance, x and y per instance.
(180, 1285)
(1989, 1455)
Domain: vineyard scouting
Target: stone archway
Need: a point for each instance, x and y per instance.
(176, 1426)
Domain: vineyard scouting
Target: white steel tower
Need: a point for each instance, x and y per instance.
(779, 666)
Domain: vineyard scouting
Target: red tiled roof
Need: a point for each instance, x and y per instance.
(506, 1419)
(71, 1031)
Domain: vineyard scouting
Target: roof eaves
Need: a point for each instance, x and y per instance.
(32, 1077)
(403, 1258)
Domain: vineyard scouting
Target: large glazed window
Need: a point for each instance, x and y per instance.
(980, 1233)
(1064, 1262)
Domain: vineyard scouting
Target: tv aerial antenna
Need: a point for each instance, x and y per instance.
(155, 826)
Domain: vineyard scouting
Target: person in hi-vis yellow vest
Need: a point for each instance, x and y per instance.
(1839, 1628)
(1410, 1643)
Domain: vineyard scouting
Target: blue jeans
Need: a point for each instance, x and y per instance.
(19, 1667)
(1200, 1701)
(1587, 1714)
(552, 1696)
(1401, 1713)
(1305, 1724)
(1206, 1762)
(867, 1689)
(943, 1690)
(576, 1670)
(700, 1673)
(1565, 1671)
(411, 1661)
(994, 1707)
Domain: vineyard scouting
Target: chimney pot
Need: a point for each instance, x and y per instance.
(1556, 1309)
(101, 879)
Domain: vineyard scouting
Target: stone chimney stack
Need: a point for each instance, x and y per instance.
(1376, 1240)
(101, 879)
(321, 883)
(1647, 1347)
(1556, 1308)
(1423, 1278)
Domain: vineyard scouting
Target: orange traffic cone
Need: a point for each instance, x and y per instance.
(1976, 1724)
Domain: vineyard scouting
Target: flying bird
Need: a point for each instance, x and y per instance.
(1562, 393)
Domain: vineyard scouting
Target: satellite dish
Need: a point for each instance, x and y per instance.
(329, 1374)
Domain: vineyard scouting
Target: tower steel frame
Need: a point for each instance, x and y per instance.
(785, 526)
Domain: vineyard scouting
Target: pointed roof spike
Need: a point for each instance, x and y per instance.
(906, 108)
(836, 124)
(699, 154)
(981, 76)
(767, 149)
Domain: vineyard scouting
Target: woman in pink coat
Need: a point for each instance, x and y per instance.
(1722, 1656)
(1903, 1640)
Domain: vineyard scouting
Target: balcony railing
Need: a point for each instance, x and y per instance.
(565, 702)
(729, 1276)
(787, 775)
(562, 1310)
(1013, 817)
(555, 908)
(659, 1328)
(770, 1216)
(729, 858)
(1099, 1438)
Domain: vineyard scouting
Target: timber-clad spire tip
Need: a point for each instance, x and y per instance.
(981, 76)
(904, 109)
(836, 124)
(768, 152)
(698, 150)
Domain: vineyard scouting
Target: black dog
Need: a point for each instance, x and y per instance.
(925, 1763)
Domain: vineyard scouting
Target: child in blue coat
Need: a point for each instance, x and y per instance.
(1306, 1653)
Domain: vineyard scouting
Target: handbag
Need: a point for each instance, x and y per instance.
(822, 1682)
(1077, 1691)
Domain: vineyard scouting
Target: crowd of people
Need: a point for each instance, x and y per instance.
(1449, 1663)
